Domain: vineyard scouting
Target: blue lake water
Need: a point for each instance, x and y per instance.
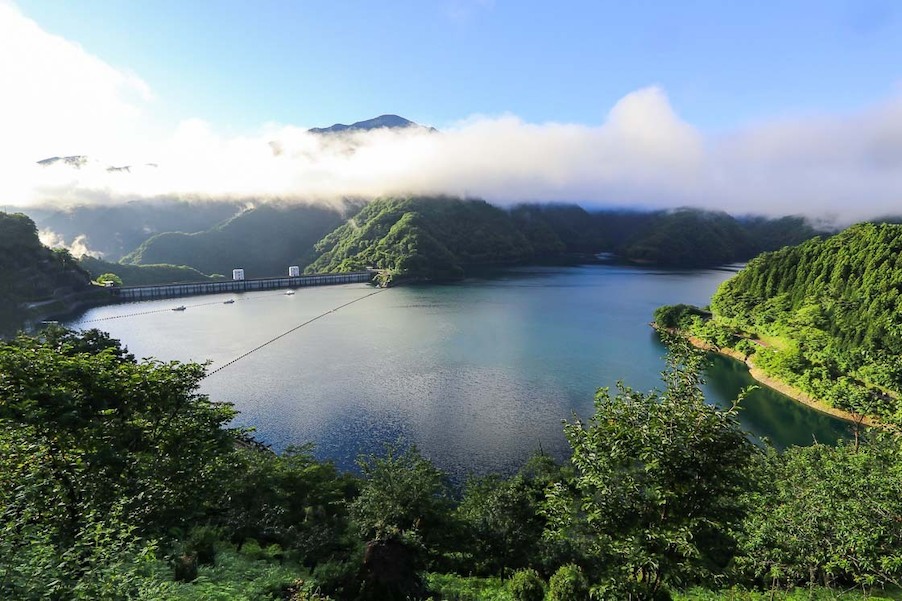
(478, 374)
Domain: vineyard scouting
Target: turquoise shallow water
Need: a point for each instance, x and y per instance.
(478, 374)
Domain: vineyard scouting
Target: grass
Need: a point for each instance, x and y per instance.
(799, 594)
(451, 587)
(235, 577)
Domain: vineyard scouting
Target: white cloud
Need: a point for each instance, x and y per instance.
(57, 98)
(78, 248)
(60, 100)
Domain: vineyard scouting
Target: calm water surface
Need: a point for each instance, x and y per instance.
(478, 374)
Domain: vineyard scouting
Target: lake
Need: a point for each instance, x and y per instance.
(478, 374)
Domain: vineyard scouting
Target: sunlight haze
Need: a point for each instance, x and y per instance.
(596, 103)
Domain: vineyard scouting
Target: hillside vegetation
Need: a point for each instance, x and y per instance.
(118, 480)
(430, 238)
(142, 275)
(444, 237)
(693, 238)
(116, 230)
(264, 241)
(31, 272)
(828, 314)
(437, 238)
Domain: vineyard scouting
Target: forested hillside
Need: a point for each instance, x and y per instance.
(141, 275)
(436, 238)
(263, 241)
(828, 314)
(444, 236)
(31, 272)
(555, 228)
(116, 230)
(694, 238)
(423, 237)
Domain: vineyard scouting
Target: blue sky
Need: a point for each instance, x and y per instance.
(723, 64)
(789, 107)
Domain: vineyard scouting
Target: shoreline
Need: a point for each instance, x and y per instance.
(784, 388)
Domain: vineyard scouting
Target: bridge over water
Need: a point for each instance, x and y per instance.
(134, 293)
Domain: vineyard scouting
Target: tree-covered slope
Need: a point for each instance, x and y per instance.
(263, 241)
(423, 237)
(765, 234)
(555, 228)
(438, 237)
(116, 230)
(142, 275)
(692, 237)
(31, 272)
(834, 311)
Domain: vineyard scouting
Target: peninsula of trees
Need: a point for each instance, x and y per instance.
(824, 316)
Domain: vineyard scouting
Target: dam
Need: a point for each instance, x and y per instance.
(137, 293)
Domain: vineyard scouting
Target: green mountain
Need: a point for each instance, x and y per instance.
(824, 316)
(263, 241)
(443, 237)
(556, 228)
(423, 237)
(116, 230)
(436, 238)
(141, 275)
(32, 274)
(695, 238)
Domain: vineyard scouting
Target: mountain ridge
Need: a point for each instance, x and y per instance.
(387, 121)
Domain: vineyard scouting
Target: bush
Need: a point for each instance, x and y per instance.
(337, 578)
(526, 585)
(568, 584)
(202, 542)
(253, 550)
(676, 316)
(746, 346)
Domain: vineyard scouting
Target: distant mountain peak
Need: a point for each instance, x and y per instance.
(380, 122)
(77, 161)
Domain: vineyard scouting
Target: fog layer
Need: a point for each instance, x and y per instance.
(61, 101)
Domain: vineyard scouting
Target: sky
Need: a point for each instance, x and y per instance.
(771, 107)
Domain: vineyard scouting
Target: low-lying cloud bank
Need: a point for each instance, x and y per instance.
(63, 101)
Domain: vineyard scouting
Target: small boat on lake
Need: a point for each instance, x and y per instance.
(228, 302)
(179, 308)
(289, 292)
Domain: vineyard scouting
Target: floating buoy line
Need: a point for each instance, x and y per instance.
(169, 309)
(291, 330)
(253, 350)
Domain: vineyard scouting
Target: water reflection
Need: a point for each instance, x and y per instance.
(478, 374)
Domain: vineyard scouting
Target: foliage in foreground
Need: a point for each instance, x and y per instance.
(119, 481)
(829, 516)
(658, 482)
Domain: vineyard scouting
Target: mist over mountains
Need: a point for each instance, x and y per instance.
(433, 237)
(643, 155)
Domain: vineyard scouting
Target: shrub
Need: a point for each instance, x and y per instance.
(202, 542)
(337, 578)
(526, 585)
(568, 584)
(185, 568)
